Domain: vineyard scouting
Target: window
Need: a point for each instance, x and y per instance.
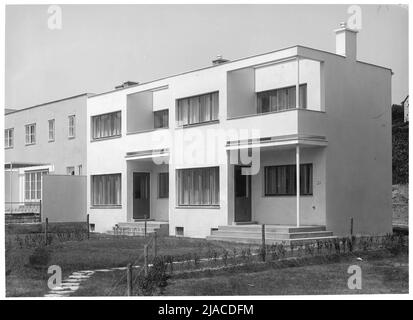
(198, 187)
(161, 119)
(79, 169)
(281, 180)
(281, 99)
(106, 125)
(70, 171)
(31, 133)
(72, 126)
(51, 130)
(8, 138)
(197, 109)
(33, 182)
(163, 185)
(179, 231)
(106, 189)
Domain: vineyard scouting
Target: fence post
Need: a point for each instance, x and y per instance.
(87, 224)
(154, 245)
(351, 226)
(129, 279)
(45, 230)
(40, 211)
(145, 256)
(145, 225)
(263, 242)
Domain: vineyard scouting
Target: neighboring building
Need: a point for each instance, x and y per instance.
(43, 139)
(326, 113)
(405, 105)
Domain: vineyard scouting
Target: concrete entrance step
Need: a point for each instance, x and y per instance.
(252, 233)
(137, 228)
(273, 228)
(267, 241)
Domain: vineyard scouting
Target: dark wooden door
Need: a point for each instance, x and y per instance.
(242, 188)
(141, 195)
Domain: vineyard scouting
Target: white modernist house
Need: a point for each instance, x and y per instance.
(298, 139)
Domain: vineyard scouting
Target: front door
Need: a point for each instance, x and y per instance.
(242, 188)
(141, 195)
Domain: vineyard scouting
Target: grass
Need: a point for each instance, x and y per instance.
(101, 251)
(382, 272)
(385, 274)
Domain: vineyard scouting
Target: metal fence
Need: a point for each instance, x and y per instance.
(21, 212)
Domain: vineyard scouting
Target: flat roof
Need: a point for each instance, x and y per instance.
(229, 62)
(46, 103)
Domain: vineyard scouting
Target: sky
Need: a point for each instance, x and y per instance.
(101, 46)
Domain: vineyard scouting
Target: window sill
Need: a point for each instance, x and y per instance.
(198, 207)
(71, 138)
(147, 130)
(30, 144)
(197, 124)
(51, 141)
(287, 195)
(106, 207)
(8, 147)
(106, 138)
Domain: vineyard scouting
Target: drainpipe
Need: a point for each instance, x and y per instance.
(297, 169)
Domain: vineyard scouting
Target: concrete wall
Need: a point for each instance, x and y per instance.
(63, 152)
(64, 198)
(11, 186)
(139, 111)
(359, 171)
(241, 93)
(285, 74)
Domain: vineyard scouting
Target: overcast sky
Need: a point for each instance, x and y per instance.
(100, 46)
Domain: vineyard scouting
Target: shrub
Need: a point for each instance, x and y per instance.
(156, 280)
(39, 257)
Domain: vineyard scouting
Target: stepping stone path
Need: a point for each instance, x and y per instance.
(70, 285)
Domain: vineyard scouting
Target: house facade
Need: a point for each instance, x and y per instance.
(44, 139)
(294, 137)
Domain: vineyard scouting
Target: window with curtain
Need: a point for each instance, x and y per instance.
(106, 125)
(8, 138)
(163, 185)
(281, 99)
(106, 189)
(281, 180)
(197, 109)
(51, 130)
(198, 187)
(161, 119)
(72, 126)
(31, 133)
(33, 183)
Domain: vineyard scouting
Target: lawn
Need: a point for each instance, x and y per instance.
(385, 274)
(24, 278)
(382, 272)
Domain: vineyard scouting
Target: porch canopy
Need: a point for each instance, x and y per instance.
(297, 141)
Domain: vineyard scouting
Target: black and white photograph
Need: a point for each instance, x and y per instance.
(205, 150)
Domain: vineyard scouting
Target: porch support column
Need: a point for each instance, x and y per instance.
(297, 171)
(297, 85)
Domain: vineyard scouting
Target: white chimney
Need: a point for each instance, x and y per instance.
(346, 41)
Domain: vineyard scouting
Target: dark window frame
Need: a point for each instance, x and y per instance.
(213, 117)
(162, 122)
(305, 190)
(92, 128)
(163, 185)
(275, 92)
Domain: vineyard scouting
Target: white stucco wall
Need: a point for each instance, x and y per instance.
(282, 209)
(355, 123)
